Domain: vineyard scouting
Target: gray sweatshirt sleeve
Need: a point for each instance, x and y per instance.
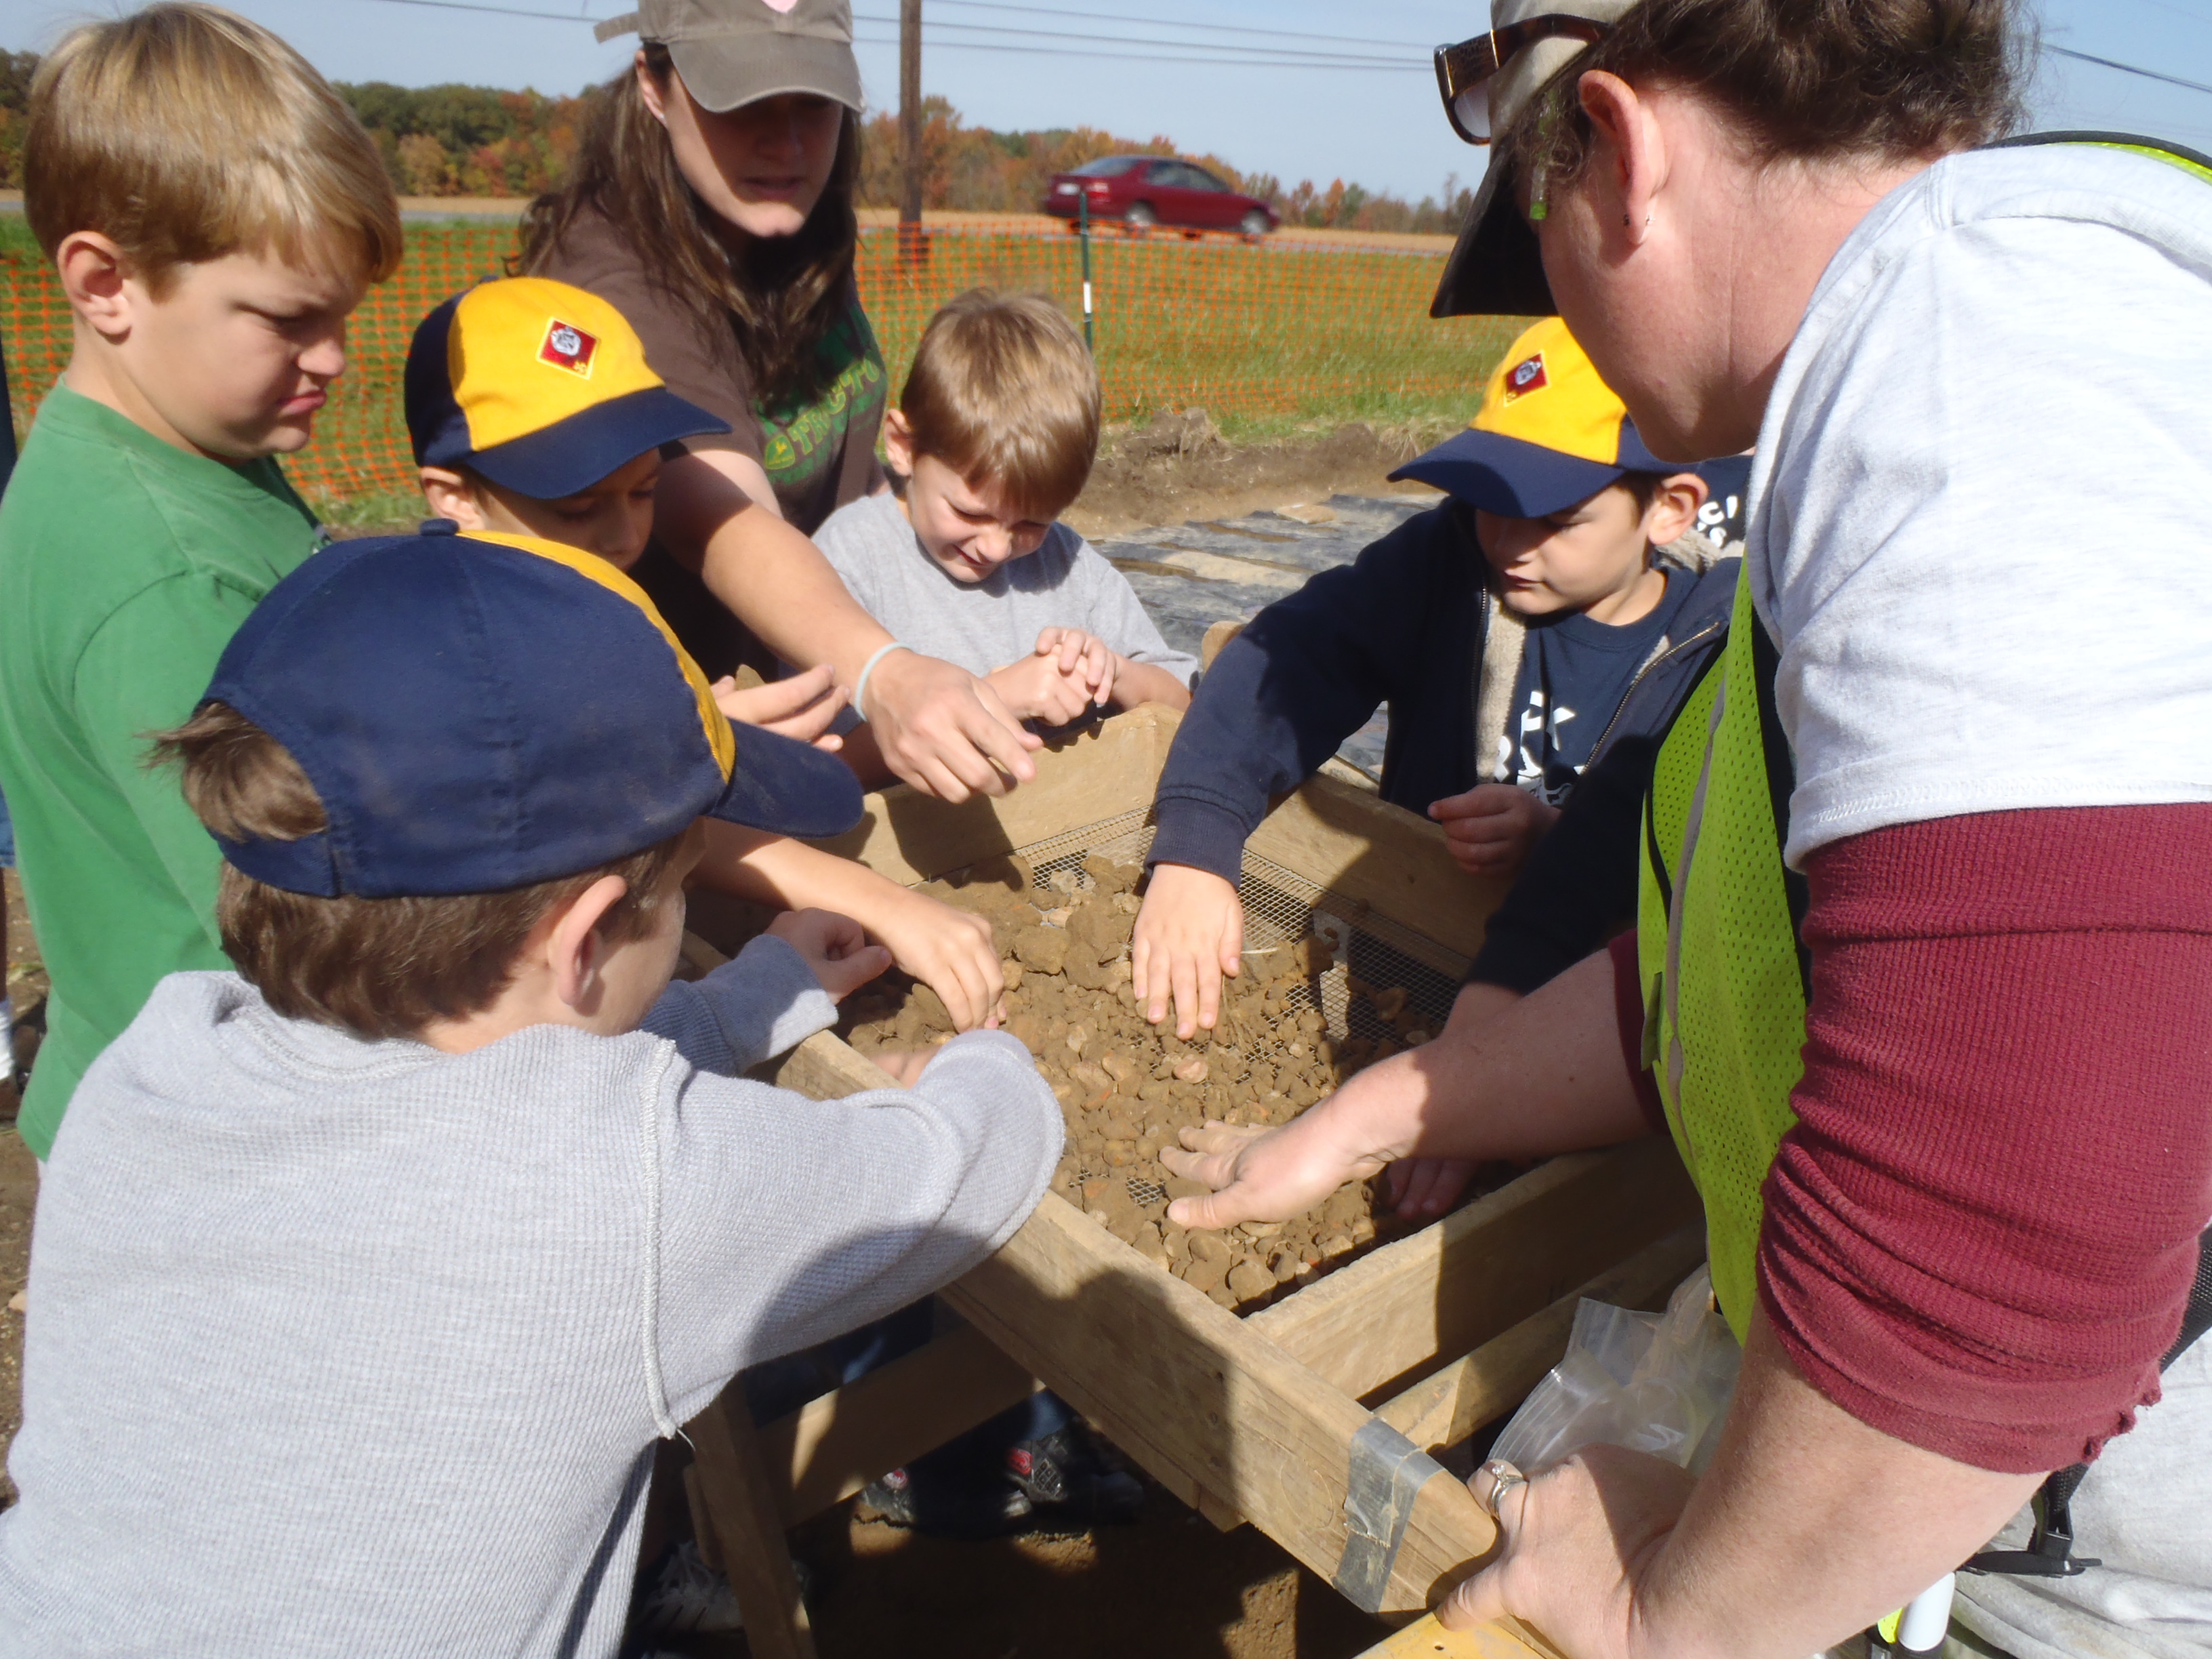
(784, 1221)
(764, 1000)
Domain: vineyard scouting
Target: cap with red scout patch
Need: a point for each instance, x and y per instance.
(541, 387)
(1550, 433)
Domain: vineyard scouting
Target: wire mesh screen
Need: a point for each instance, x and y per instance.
(1281, 908)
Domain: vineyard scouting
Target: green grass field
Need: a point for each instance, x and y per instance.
(1269, 339)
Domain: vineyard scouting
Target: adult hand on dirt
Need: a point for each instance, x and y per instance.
(1578, 1540)
(945, 731)
(1259, 1174)
(949, 951)
(800, 707)
(1040, 687)
(1426, 1186)
(836, 947)
(1419, 1187)
(1494, 827)
(1188, 934)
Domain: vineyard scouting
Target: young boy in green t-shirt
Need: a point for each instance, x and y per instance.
(209, 289)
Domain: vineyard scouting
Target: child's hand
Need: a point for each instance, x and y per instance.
(1070, 673)
(1083, 657)
(1189, 933)
(801, 707)
(836, 947)
(1494, 827)
(906, 1065)
(951, 952)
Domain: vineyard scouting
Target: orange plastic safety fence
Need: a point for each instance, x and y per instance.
(1275, 328)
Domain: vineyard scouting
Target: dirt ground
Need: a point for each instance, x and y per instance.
(1179, 468)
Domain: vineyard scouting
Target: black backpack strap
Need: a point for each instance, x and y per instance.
(2050, 1552)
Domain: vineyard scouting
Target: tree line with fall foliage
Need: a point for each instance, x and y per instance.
(479, 141)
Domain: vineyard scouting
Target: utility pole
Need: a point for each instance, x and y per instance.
(913, 249)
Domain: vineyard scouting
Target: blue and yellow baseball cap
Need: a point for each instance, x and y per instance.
(1549, 433)
(541, 387)
(485, 712)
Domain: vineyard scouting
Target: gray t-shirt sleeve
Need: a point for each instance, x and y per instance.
(872, 1201)
(1112, 611)
(765, 1001)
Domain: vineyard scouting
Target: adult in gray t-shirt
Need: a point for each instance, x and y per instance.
(352, 1349)
(1065, 583)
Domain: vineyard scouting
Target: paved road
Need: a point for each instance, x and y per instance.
(1196, 574)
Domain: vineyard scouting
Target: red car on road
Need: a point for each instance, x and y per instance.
(1144, 190)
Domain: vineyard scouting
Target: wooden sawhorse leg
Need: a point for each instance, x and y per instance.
(742, 1508)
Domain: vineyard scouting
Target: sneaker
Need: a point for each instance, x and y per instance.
(1066, 1471)
(946, 1508)
(688, 1596)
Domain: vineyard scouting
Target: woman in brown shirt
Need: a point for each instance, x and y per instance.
(711, 203)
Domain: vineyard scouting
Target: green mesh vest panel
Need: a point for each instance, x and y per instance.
(1725, 1001)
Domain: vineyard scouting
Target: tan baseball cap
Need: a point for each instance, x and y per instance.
(731, 53)
(1497, 269)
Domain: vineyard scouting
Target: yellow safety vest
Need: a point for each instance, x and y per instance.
(1725, 977)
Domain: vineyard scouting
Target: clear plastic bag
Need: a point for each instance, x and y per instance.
(1653, 1383)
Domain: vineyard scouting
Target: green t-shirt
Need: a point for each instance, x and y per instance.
(125, 566)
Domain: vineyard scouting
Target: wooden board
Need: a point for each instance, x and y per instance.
(1180, 1382)
(1444, 1409)
(1426, 1638)
(1346, 838)
(831, 1447)
(737, 1493)
(1450, 1286)
(910, 837)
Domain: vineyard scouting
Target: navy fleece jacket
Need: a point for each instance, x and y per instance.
(1405, 625)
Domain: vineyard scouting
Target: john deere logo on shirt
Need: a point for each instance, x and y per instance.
(568, 347)
(1526, 376)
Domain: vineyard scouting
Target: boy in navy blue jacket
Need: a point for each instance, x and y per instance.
(1522, 634)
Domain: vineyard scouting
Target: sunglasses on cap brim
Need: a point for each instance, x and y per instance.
(1465, 72)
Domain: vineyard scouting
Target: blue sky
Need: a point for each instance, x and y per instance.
(1378, 126)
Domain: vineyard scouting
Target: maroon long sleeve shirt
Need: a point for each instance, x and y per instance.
(1981, 1234)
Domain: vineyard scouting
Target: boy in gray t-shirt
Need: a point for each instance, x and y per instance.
(367, 1277)
(992, 438)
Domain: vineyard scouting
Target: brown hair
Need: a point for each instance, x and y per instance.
(1004, 392)
(1806, 79)
(785, 293)
(376, 967)
(185, 133)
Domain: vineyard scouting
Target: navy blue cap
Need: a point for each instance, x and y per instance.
(539, 386)
(481, 713)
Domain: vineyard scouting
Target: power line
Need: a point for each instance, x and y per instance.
(1255, 57)
(1262, 55)
(1180, 23)
(2127, 69)
(1152, 57)
(496, 11)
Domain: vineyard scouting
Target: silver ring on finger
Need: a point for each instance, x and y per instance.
(1498, 1477)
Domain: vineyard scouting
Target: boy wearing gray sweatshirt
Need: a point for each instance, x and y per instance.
(367, 1277)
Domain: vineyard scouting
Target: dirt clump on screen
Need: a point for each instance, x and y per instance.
(1127, 1088)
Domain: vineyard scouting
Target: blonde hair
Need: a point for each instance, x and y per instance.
(185, 133)
(1003, 390)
